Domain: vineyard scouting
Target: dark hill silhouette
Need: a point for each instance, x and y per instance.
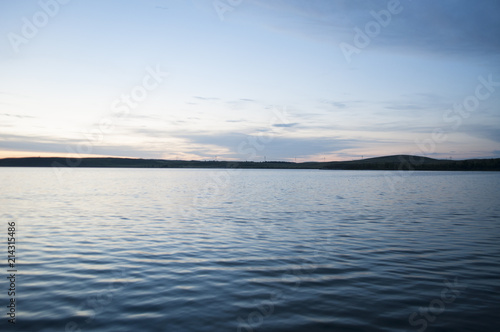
(397, 162)
(409, 162)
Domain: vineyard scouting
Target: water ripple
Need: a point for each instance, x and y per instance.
(152, 250)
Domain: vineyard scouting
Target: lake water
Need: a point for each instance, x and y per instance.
(252, 250)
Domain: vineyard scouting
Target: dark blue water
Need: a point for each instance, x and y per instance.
(252, 250)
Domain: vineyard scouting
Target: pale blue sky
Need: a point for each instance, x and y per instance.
(269, 79)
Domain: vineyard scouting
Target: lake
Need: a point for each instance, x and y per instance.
(251, 250)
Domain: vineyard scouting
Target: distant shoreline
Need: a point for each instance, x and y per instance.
(397, 162)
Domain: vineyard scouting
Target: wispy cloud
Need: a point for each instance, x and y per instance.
(270, 146)
(495, 154)
(336, 104)
(206, 98)
(64, 146)
(223, 88)
(19, 116)
(443, 27)
(285, 125)
(485, 131)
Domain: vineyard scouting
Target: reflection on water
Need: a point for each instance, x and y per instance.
(253, 250)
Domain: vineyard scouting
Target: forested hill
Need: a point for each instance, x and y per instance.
(398, 162)
(407, 162)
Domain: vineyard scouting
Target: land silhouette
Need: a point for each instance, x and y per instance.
(396, 162)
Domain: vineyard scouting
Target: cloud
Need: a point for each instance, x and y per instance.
(285, 125)
(16, 116)
(406, 107)
(144, 117)
(337, 104)
(240, 104)
(422, 102)
(64, 146)
(495, 154)
(205, 98)
(253, 147)
(443, 27)
(344, 105)
(485, 131)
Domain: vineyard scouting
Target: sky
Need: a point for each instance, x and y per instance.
(287, 80)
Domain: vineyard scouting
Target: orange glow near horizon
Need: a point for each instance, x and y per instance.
(29, 154)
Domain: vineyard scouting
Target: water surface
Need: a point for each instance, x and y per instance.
(253, 250)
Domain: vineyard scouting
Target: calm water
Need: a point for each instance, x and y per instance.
(252, 250)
